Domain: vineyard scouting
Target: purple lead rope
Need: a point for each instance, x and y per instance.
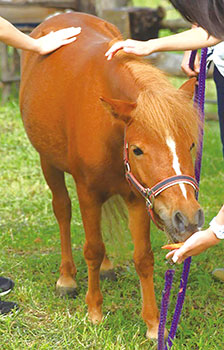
(199, 102)
(180, 303)
(164, 307)
(200, 99)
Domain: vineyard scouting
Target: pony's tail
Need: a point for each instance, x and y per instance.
(115, 221)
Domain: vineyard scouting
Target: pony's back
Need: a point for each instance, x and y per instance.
(55, 89)
(95, 32)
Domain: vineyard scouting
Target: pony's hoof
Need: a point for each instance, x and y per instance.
(109, 274)
(153, 333)
(95, 317)
(66, 287)
(66, 291)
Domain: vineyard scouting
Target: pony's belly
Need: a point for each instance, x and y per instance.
(49, 143)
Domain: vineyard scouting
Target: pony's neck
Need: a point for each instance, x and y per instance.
(129, 76)
(121, 81)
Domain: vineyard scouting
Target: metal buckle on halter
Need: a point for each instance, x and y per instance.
(149, 198)
(127, 166)
(126, 160)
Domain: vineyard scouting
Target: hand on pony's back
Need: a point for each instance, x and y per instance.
(139, 48)
(54, 40)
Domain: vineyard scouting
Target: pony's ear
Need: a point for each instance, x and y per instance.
(119, 109)
(189, 87)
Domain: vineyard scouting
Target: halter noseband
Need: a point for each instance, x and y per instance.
(150, 194)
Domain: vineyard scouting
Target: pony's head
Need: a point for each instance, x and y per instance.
(161, 134)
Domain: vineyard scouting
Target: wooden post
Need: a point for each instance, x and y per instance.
(136, 22)
(174, 25)
(101, 5)
(145, 22)
(10, 70)
(88, 6)
(120, 18)
(72, 4)
(96, 7)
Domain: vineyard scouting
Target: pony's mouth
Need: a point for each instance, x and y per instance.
(179, 230)
(177, 237)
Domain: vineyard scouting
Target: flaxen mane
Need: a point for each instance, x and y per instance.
(160, 106)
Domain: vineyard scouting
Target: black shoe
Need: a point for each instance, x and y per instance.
(6, 285)
(7, 306)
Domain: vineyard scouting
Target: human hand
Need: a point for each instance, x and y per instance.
(196, 244)
(54, 40)
(185, 65)
(139, 48)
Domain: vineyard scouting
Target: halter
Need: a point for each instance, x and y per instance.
(150, 194)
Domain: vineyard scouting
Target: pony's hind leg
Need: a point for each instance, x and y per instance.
(107, 270)
(62, 210)
(106, 265)
(94, 250)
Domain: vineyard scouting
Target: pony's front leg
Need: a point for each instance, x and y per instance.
(139, 223)
(94, 250)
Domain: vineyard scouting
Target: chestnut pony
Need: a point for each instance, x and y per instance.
(76, 106)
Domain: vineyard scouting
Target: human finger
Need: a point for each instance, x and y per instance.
(177, 255)
(68, 41)
(66, 33)
(170, 254)
(188, 71)
(197, 65)
(185, 66)
(178, 258)
(115, 48)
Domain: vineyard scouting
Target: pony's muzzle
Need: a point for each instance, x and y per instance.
(183, 224)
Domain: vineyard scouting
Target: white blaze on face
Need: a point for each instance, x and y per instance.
(176, 165)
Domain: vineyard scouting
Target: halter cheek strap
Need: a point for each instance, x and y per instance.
(150, 194)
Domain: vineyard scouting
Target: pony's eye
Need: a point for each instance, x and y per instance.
(192, 146)
(137, 151)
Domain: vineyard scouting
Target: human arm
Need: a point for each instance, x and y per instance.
(191, 39)
(10, 35)
(198, 242)
(185, 66)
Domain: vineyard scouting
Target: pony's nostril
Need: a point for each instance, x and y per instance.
(199, 218)
(179, 221)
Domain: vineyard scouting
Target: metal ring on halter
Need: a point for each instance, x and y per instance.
(127, 167)
(149, 198)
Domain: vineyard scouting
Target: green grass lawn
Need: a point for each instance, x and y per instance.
(30, 255)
